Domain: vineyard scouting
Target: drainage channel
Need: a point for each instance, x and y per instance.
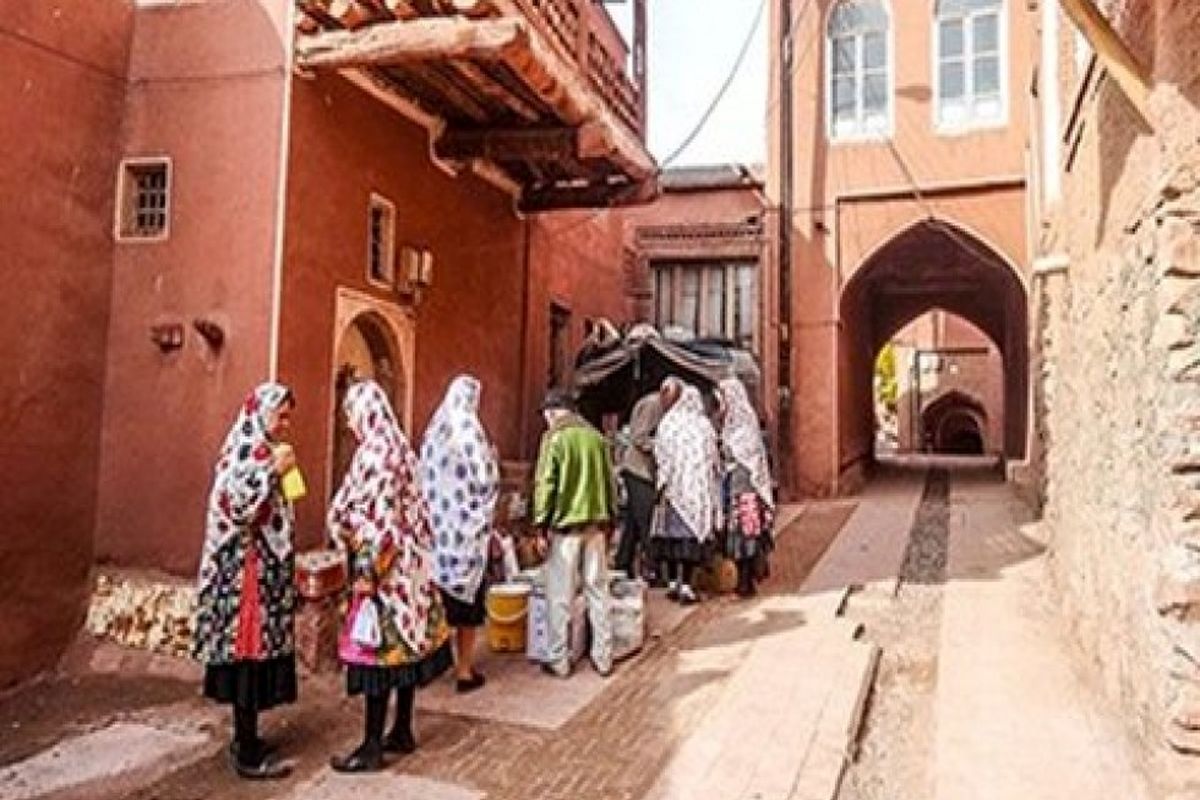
(894, 757)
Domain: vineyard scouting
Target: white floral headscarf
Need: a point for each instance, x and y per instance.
(244, 482)
(379, 501)
(460, 484)
(742, 437)
(688, 459)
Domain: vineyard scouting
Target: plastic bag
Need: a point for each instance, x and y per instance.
(366, 631)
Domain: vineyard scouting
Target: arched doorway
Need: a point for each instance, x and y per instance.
(367, 349)
(931, 265)
(955, 424)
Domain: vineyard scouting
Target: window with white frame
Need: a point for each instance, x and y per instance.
(381, 242)
(860, 98)
(970, 63)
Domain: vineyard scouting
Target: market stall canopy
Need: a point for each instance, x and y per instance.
(612, 380)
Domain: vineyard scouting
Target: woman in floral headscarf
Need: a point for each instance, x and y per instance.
(688, 459)
(459, 480)
(244, 621)
(395, 637)
(751, 502)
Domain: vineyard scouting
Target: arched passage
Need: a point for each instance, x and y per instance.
(930, 265)
(368, 348)
(955, 423)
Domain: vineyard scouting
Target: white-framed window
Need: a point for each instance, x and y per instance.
(144, 199)
(859, 58)
(381, 242)
(970, 63)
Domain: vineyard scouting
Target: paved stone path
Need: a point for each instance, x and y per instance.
(1014, 721)
(614, 745)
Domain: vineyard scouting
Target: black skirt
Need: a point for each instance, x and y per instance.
(688, 551)
(378, 681)
(253, 685)
(465, 615)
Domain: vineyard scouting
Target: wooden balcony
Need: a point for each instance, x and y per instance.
(536, 88)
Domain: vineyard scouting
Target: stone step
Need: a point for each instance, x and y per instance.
(785, 721)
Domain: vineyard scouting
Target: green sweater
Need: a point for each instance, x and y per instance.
(574, 481)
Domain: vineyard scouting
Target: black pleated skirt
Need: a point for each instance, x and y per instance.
(253, 685)
(688, 551)
(377, 681)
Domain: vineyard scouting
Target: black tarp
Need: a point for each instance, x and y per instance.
(611, 382)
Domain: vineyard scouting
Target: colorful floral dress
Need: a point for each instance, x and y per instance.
(460, 484)
(246, 593)
(378, 503)
(750, 498)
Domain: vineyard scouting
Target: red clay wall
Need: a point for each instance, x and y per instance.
(206, 89)
(346, 144)
(576, 263)
(61, 91)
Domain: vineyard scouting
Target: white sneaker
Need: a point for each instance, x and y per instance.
(559, 669)
(687, 596)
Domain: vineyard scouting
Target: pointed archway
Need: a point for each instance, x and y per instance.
(932, 264)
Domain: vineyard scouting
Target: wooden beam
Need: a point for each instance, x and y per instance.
(495, 92)
(520, 144)
(455, 96)
(601, 195)
(1132, 78)
(401, 9)
(318, 10)
(509, 42)
(467, 8)
(396, 43)
(354, 13)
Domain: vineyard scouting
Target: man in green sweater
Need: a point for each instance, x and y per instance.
(574, 503)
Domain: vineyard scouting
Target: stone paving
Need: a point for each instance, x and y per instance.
(1014, 719)
(613, 746)
(977, 697)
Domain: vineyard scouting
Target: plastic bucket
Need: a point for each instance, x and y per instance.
(507, 606)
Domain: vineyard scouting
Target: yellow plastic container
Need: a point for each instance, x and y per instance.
(507, 606)
(293, 485)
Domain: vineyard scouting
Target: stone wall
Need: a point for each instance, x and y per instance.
(1117, 363)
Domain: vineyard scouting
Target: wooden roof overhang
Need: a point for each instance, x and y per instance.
(503, 94)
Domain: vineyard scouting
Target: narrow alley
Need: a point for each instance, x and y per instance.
(600, 400)
(902, 648)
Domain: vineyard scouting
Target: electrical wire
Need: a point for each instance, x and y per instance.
(720, 95)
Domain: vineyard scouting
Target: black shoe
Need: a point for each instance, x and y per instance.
(471, 684)
(367, 758)
(747, 591)
(262, 749)
(400, 742)
(266, 769)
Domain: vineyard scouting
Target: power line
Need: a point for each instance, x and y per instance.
(720, 95)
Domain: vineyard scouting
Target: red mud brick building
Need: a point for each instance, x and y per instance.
(897, 180)
(199, 196)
